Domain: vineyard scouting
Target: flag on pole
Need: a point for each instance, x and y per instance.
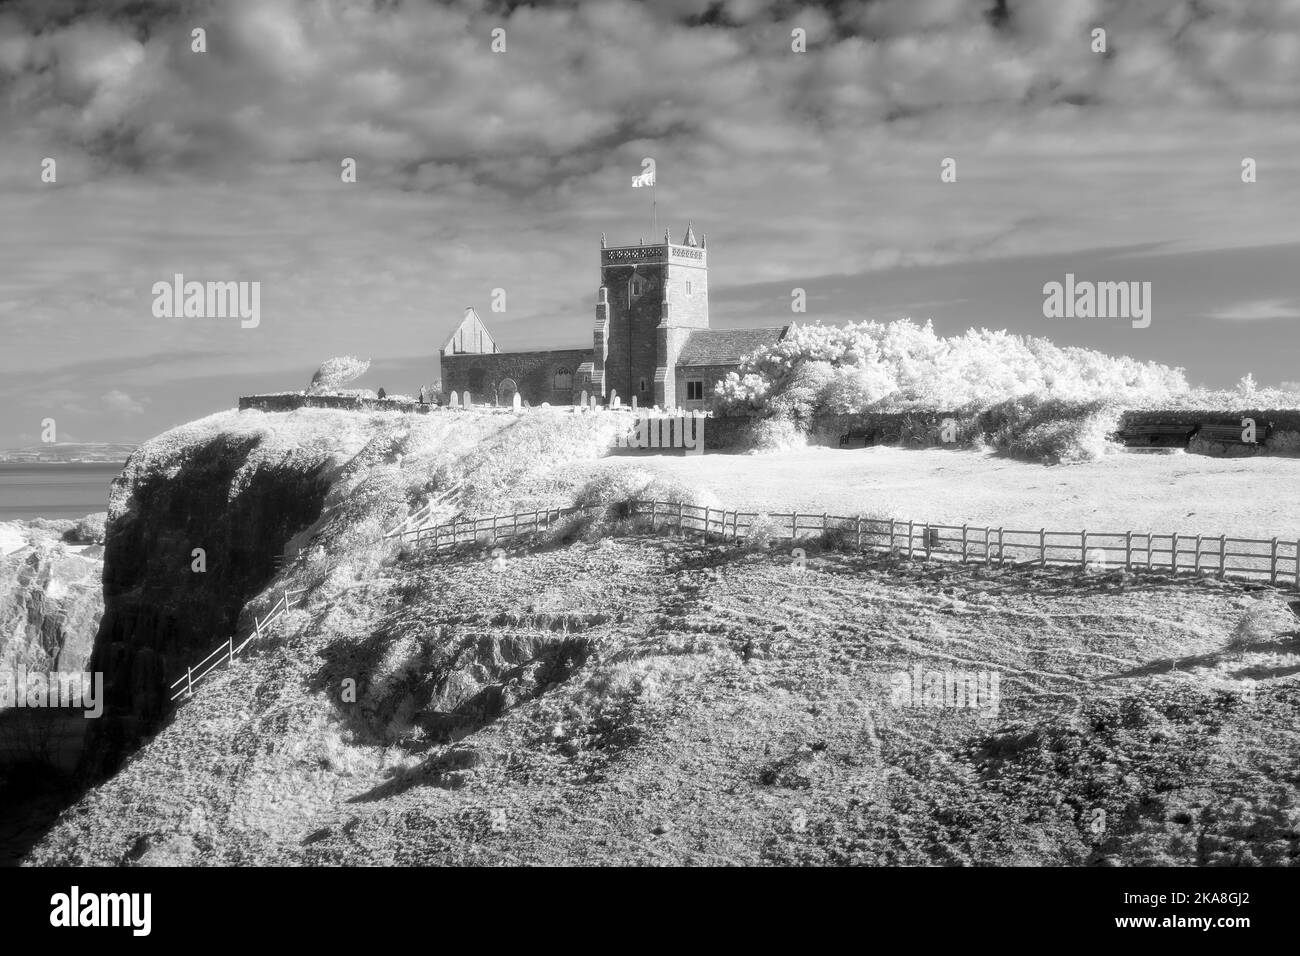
(645, 179)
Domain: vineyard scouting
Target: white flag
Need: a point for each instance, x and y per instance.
(645, 179)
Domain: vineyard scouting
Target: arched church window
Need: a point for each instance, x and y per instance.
(636, 286)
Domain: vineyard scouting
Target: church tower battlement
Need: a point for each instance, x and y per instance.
(650, 300)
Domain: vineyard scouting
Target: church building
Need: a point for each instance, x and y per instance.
(651, 339)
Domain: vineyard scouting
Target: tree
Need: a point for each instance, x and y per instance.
(382, 393)
(337, 372)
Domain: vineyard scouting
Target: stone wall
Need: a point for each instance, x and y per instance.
(288, 401)
(532, 372)
(709, 374)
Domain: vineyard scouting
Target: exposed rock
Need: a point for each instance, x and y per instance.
(50, 601)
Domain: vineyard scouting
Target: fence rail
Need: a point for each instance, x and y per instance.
(184, 686)
(1270, 559)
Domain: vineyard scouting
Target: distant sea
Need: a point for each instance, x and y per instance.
(54, 489)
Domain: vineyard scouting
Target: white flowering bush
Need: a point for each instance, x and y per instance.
(902, 366)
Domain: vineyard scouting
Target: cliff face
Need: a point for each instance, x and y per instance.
(50, 601)
(210, 521)
(194, 531)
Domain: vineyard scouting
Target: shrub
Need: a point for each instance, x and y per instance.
(900, 366)
(775, 434)
(88, 530)
(761, 533)
(1053, 431)
(1251, 627)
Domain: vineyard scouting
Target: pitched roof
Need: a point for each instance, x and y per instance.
(726, 346)
(469, 323)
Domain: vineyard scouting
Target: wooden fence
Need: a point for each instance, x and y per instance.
(1270, 559)
(184, 687)
(488, 529)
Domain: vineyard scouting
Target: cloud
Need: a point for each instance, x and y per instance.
(119, 401)
(1257, 310)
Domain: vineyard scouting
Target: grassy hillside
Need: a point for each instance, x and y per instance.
(651, 700)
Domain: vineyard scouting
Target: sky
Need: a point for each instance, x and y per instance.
(480, 170)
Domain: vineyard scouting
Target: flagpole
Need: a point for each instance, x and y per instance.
(654, 205)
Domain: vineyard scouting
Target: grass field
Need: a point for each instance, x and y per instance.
(1254, 497)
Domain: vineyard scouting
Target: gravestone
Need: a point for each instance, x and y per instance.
(614, 400)
(515, 402)
(583, 400)
(453, 401)
(467, 403)
(594, 404)
(633, 403)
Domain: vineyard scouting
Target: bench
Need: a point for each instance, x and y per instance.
(1231, 434)
(1157, 436)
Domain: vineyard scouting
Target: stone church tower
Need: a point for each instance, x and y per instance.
(651, 299)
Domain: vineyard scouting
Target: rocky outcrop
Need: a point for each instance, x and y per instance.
(50, 600)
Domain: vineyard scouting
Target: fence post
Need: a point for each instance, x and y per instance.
(230, 648)
(1173, 552)
(1297, 564)
(1042, 547)
(706, 521)
(189, 682)
(891, 535)
(1128, 549)
(654, 511)
(1223, 556)
(927, 541)
(824, 516)
(794, 527)
(1196, 564)
(859, 530)
(1002, 555)
(1272, 574)
(1083, 549)
(1148, 550)
(987, 532)
(514, 533)
(681, 528)
(909, 540)
(963, 544)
